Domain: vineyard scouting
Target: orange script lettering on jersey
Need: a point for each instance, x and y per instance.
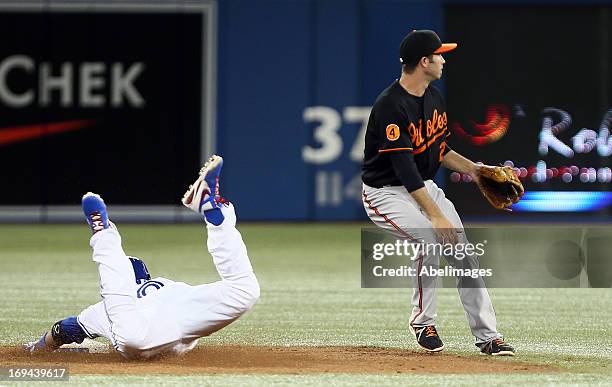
(416, 136)
(438, 123)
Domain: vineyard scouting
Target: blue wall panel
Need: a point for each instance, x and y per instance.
(285, 69)
(263, 85)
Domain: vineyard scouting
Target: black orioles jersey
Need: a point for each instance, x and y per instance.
(405, 138)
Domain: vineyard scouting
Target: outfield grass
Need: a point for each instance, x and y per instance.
(311, 296)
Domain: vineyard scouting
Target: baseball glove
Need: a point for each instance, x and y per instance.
(500, 186)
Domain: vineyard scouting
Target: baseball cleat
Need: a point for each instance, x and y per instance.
(428, 338)
(95, 212)
(496, 347)
(211, 171)
(203, 194)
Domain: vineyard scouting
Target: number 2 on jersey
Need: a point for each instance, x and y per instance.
(442, 148)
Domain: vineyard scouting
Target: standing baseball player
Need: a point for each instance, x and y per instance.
(404, 146)
(144, 317)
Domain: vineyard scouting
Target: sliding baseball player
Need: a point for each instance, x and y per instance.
(144, 317)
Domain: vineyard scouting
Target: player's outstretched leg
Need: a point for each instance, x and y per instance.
(128, 327)
(114, 275)
(224, 301)
(473, 293)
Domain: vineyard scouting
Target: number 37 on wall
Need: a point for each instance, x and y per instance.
(326, 133)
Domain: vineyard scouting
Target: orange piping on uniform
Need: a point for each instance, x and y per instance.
(393, 150)
(408, 236)
(434, 138)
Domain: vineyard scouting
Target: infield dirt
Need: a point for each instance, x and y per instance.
(275, 360)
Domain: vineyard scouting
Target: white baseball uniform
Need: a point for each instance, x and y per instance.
(161, 315)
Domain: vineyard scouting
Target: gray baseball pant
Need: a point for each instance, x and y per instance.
(395, 210)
